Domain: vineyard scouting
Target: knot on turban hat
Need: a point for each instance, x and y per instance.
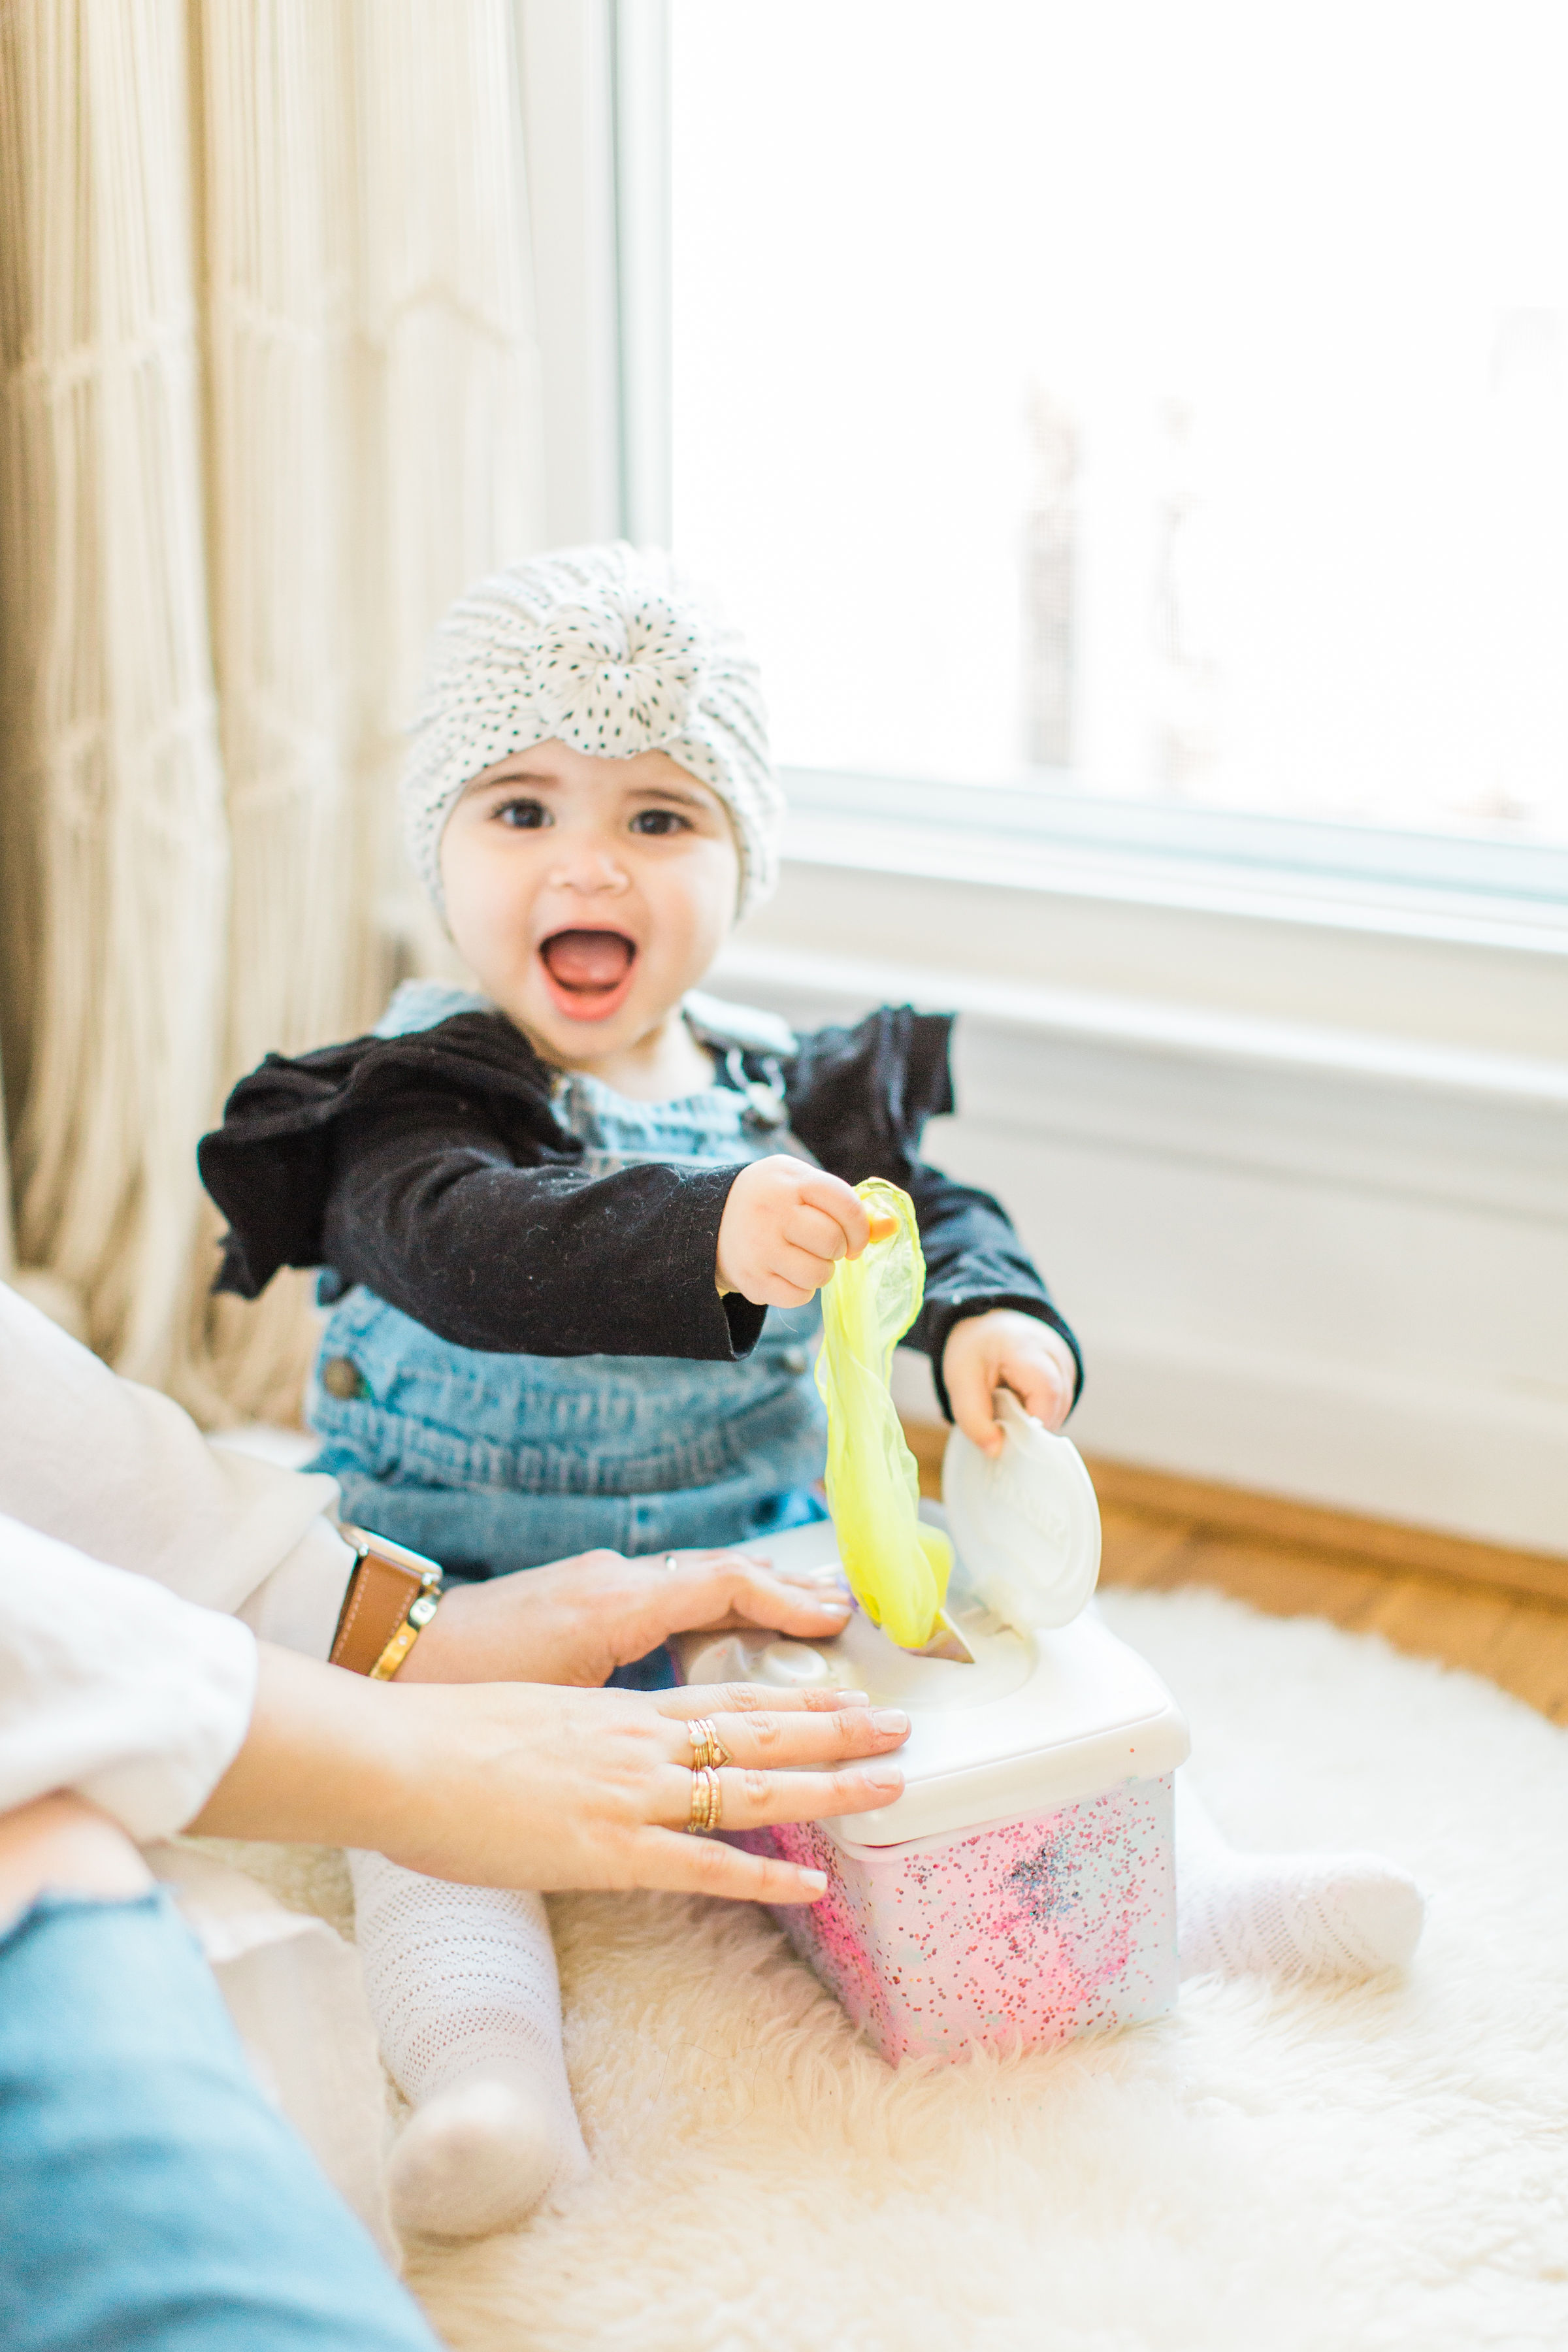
(608, 650)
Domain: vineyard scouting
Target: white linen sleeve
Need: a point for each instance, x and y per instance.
(123, 1474)
(300, 1603)
(114, 1687)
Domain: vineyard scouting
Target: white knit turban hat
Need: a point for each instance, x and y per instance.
(608, 649)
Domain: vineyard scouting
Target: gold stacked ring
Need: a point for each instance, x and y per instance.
(707, 1747)
(707, 1801)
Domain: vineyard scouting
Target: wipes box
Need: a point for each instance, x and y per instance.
(1021, 1889)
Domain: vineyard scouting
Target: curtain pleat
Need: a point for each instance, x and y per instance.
(285, 425)
(117, 840)
(450, 352)
(269, 398)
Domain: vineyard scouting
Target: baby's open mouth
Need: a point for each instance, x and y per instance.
(588, 970)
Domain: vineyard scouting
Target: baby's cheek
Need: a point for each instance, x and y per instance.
(704, 903)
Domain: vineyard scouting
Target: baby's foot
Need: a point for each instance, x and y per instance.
(1297, 1915)
(1285, 1915)
(480, 2156)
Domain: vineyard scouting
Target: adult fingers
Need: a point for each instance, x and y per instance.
(731, 1556)
(825, 1577)
(753, 1800)
(722, 1591)
(750, 1698)
(699, 1866)
(771, 1742)
(777, 1603)
(782, 1605)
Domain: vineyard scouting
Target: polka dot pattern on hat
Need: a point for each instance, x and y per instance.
(608, 650)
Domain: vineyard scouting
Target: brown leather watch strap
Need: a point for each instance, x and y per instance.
(381, 1590)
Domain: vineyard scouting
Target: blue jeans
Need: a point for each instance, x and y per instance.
(149, 2196)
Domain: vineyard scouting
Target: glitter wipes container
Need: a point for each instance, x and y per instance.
(1022, 1889)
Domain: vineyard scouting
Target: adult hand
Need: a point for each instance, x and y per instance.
(513, 1784)
(784, 1228)
(577, 1620)
(1006, 1349)
(65, 1843)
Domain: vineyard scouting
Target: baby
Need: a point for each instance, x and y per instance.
(574, 1224)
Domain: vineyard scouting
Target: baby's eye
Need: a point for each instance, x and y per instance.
(524, 815)
(658, 820)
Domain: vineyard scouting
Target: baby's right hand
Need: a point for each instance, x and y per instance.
(785, 1226)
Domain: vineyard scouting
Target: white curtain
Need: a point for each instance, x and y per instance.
(269, 398)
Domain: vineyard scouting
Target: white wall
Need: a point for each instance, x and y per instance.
(1302, 1193)
(568, 143)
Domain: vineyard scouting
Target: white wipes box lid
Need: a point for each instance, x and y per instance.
(1026, 1519)
(1041, 1718)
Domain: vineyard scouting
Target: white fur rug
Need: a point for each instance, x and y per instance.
(1386, 2166)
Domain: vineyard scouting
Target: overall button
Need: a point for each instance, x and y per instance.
(793, 1360)
(340, 1377)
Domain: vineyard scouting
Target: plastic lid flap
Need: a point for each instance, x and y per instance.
(1027, 1525)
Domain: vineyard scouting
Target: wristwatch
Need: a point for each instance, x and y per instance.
(392, 1596)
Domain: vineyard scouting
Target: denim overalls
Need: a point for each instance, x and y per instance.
(490, 1463)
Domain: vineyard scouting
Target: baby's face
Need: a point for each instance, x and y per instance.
(588, 895)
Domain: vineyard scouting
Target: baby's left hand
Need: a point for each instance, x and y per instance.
(1006, 1349)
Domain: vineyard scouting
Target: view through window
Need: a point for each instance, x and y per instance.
(1160, 400)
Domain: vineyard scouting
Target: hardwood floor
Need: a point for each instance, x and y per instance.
(1164, 1533)
(1515, 1639)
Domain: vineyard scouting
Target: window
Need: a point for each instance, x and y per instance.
(1148, 404)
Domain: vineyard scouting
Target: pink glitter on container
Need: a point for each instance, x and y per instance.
(1040, 1929)
(1022, 1889)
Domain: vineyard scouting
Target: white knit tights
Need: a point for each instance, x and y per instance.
(1285, 1915)
(463, 1988)
(467, 2003)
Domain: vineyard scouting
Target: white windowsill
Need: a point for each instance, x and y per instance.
(1489, 893)
(1155, 1026)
